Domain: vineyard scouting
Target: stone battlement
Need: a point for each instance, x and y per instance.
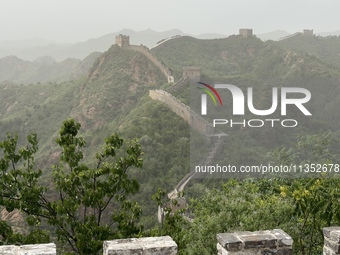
(259, 242)
(163, 245)
(308, 32)
(33, 249)
(123, 41)
(246, 32)
(192, 73)
(275, 242)
(182, 110)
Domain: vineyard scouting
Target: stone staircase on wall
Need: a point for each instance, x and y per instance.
(289, 36)
(144, 50)
(197, 123)
(182, 82)
(218, 143)
(182, 110)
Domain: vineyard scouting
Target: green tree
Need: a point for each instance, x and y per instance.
(316, 196)
(88, 204)
(300, 206)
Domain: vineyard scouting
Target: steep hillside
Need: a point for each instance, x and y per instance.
(249, 62)
(114, 85)
(235, 56)
(113, 97)
(326, 49)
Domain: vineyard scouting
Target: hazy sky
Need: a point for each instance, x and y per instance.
(79, 20)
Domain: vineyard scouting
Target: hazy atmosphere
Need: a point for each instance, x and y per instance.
(79, 20)
(179, 127)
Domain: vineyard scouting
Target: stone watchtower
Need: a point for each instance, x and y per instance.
(246, 32)
(123, 40)
(308, 32)
(192, 73)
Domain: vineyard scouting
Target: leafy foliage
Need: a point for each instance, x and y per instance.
(301, 207)
(85, 193)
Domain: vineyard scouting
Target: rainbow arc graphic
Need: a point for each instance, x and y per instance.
(211, 91)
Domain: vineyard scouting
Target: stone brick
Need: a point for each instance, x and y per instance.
(229, 242)
(335, 236)
(268, 252)
(158, 245)
(327, 231)
(244, 233)
(9, 249)
(32, 249)
(38, 249)
(332, 245)
(129, 246)
(283, 239)
(142, 246)
(285, 251)
(259, 241)
(267, 242)
(327, 251)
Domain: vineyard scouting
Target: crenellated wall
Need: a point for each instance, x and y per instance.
(144, 50)
(182, 110)
(273, 242)
(163, 245)
(32, 249)
(124, 42)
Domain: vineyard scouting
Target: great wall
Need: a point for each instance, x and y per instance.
(273, 242)
(179, 108)
(197, 123)
(124, 42)
(182, 110)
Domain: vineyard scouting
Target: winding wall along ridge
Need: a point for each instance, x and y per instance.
(194, 120)
(144, 50)
(182, 110)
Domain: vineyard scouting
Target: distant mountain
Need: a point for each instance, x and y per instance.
(35, 48)
(15, 69)
(33, 53)
(335, 33)
(45, 60)
(209, 36)
(272, 35)
(326, 49)
(44, 69)
(114, 98)
(20, 44)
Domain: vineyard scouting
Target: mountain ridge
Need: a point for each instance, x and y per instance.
(33, 48)
(113, 97)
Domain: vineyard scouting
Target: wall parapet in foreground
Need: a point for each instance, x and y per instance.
(142, 246)
(259, 242)
(331, 241)
(272, 242)
(32, 249)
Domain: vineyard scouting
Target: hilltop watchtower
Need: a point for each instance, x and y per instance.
(308, 32)
(246, 32)
(123, 40)
(192, 73)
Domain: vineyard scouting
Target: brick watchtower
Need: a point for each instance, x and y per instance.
(123, 41)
